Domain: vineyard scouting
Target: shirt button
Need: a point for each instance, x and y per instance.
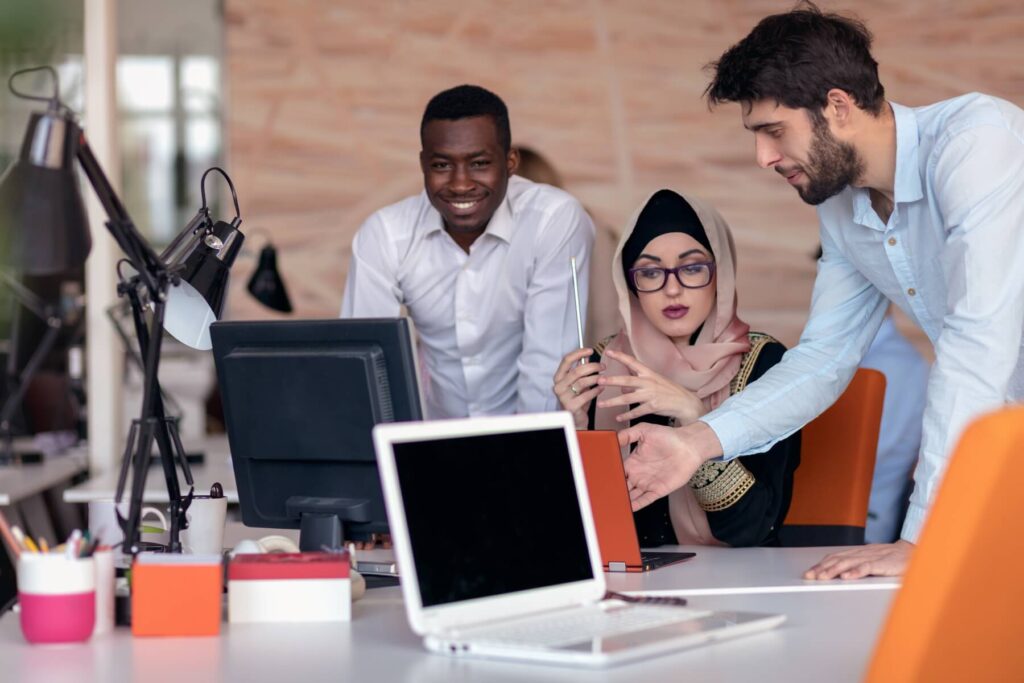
(912, 291)
(892, 241)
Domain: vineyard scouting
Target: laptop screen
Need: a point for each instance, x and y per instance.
(491, 514)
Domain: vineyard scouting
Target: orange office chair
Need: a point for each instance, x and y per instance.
(837, 460)
(959, 615)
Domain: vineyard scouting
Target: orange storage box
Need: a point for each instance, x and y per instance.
(177, 595)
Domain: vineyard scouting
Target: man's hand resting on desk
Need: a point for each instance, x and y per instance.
(664, 458)
(877, 559)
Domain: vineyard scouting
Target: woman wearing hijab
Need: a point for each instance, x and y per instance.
(680, 352)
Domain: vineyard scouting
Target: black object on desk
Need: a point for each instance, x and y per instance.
(21, 458)
(300, 401)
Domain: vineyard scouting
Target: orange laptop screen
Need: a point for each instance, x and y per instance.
(609, 499)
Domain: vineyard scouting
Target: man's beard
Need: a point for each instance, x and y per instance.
(831, 166)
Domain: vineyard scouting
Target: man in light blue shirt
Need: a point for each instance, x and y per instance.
(922, 207)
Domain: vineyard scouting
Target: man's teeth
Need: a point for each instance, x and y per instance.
(463, 205)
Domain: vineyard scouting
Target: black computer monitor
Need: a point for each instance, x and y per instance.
(300, 400)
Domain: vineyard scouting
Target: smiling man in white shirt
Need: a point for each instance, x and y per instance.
(480, 259)
(923, 207)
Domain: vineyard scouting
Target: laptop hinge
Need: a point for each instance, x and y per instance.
(616, 566)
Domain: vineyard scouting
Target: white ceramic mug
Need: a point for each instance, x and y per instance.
(205, 532)
(103, 520)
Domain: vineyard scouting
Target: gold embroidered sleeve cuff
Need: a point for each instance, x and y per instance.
(719, 485)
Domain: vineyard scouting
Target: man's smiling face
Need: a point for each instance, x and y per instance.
(465, 171)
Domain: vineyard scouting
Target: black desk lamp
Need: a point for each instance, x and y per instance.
(266, 285)
(42, 223)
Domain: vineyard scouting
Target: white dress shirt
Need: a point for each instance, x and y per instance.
(493, 324)
(951, 256)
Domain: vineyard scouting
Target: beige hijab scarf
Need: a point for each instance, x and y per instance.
(705, 368)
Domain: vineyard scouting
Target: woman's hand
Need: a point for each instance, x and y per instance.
(654, 394)
(575, 385)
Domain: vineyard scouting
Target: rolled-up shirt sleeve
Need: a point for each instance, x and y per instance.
(846, 312)
(549, 314)
(979, 181)
(371, 288)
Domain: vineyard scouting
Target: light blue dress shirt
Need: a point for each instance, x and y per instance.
(899, 436)
(951, 256)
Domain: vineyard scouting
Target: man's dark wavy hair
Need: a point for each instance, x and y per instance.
(465, 101)
(795, 58)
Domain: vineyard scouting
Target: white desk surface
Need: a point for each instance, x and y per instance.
(18, 482)
(215, 468)
(739, 570)
(828, 635)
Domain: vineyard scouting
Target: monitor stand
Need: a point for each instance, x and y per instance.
(322, 520)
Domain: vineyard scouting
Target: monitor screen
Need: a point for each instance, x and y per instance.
(300, 402)
(492, 514)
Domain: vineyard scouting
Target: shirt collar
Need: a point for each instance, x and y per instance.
(500, 225)
(907, 185)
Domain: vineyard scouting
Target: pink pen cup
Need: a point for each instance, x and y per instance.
(57, 597)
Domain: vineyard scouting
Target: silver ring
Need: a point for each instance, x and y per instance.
(573, 389)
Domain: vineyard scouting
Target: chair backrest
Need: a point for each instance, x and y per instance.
(959, 615)
(832, 485)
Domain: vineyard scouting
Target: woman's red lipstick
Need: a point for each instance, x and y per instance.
(674, 312)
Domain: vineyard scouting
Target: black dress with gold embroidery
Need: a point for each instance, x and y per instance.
(745, 499)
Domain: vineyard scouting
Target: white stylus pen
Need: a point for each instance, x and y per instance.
(576, 298)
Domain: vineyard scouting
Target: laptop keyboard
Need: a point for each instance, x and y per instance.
(582, 624)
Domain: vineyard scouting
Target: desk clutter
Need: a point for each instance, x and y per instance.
(62, 592)
(67, 594)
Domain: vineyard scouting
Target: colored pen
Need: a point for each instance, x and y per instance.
(5, 531)
(19, 536)
(71, 552)
(30, 545)
(43, 545)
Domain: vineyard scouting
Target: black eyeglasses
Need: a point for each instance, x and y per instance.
(690, 275)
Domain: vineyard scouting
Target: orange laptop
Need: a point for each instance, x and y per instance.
(613, 516)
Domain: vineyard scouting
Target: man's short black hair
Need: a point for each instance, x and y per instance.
(464, 101)
(795, 58)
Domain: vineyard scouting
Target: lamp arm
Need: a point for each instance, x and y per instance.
(27, 298)
(156, 277)
(141, 256)
(129, 349)
(54, 326)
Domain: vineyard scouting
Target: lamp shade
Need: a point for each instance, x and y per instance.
(198, 299)
(43, 224)
(266, 284)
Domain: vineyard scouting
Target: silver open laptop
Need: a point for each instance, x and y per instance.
(492, 527)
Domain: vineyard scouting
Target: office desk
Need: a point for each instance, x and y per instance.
(215, 468)
(829, 636)
(18, 482)
(22, 488)
(716, 571)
